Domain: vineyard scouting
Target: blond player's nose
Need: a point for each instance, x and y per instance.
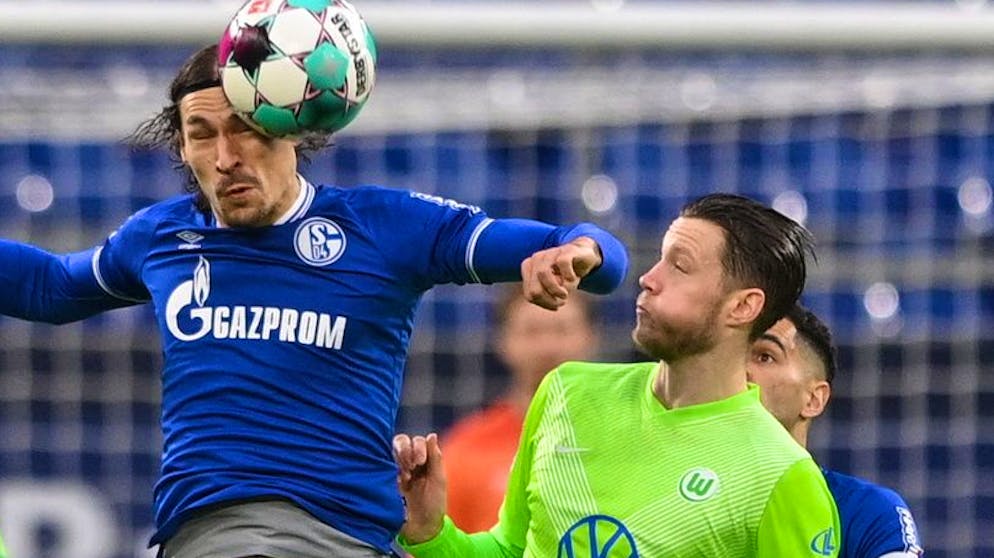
(643, 281)
(648, 280)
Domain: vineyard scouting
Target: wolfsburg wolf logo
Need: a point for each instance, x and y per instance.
(699, 484)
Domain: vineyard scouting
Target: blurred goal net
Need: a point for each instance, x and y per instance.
(882, 145)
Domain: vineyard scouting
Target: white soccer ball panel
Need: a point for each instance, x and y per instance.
(281, 82)
(239, 90)
(348, 32)
(366, 65)
(359, 81)
(295, 31)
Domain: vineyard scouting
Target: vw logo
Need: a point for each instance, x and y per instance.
(598, 536)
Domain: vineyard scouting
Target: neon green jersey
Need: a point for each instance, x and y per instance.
(3, 549)
(604, 470)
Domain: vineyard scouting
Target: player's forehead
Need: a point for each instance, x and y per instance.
(696, 236)
(208, 105)
(782, 334)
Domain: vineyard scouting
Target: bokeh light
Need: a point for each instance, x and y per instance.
(599, 194)
(35, 193)
(882, 301)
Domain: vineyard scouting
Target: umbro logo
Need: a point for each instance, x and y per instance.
(191, 240)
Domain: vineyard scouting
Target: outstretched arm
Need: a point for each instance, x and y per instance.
(554, 260)
(432, 241)
(43, 287)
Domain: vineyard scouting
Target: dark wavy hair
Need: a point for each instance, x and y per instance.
(164, 130)
(763, 249)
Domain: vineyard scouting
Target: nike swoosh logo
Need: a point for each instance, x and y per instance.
(570, 449)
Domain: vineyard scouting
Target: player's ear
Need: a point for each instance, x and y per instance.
(745, 305)
(181, 145)
(818, 395)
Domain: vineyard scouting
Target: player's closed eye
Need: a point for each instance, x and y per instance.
(200, 133)
(240, 127)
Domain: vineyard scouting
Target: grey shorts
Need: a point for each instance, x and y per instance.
(269, 529)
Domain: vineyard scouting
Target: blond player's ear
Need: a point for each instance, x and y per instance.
(744, 306)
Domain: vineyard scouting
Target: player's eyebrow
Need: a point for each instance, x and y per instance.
(679, 250)
(195, 120)
(775, 340)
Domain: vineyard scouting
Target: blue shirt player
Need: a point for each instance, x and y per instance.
(285, 310)
(876, 522)
(794, 365)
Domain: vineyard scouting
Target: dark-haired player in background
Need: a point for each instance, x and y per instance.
(285, 310)
(794, 365)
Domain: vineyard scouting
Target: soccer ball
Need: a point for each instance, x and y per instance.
(294, 66)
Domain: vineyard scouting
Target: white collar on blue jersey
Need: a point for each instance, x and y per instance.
(300, 206)
(298, 209)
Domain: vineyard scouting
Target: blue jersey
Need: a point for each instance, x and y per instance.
(284, 346)
(875, 520)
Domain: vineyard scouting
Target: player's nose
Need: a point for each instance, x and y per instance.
(228, 155)
(649, 281)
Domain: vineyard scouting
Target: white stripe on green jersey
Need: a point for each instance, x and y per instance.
(604, 470)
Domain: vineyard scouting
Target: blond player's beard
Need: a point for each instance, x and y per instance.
(670, 344)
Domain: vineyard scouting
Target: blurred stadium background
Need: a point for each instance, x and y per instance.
(872, 123)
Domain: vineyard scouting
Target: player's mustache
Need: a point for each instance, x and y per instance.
(232, 179)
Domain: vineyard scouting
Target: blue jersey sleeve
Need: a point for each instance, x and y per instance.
(438, 241)
(39, 286)
(44, 287)
(117, 264)
(876, 521)
(427, 239)
(507, 242)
